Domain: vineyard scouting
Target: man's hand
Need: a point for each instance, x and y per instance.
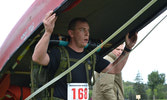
(40, 54)
(130, 42)
(49, 21)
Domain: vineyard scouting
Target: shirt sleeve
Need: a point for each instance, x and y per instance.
(54, 62)
(101, 64)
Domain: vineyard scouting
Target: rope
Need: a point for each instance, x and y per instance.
(93, 51)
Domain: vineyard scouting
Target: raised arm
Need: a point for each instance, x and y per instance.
(40, 54)
(117, 66)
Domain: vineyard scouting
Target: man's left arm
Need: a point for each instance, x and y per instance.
(117, 65)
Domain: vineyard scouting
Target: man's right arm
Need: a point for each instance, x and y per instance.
(40, 54)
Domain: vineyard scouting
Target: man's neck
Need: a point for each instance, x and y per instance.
(75, 48)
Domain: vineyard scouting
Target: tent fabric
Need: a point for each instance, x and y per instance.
(4, 84)
(10, 92)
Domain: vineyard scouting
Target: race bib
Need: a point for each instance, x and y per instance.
(78, 91)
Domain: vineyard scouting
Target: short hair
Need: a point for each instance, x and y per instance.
(73, 22)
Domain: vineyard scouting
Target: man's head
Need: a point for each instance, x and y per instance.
(78, 30)
(73, 22)
(118, 51)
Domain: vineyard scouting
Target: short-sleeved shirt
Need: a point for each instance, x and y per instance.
(78, 74)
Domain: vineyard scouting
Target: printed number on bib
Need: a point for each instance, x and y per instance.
(78, 91)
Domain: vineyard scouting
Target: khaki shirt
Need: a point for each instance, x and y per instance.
(108, 86)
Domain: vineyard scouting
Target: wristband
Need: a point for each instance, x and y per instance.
(127, 50)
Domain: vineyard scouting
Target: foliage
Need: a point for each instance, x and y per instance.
(129, 92)
(138, 78)
(161, 91)
(139, 86)
(154, 80)
(156, 84)
(148, 93)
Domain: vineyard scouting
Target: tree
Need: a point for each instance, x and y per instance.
(138, 78)
(139, 86)
(161, 91)
(148, 92)
(155, 79)
(129, 92)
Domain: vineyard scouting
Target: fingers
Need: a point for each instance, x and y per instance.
(130, 42)
(50, 17)
(134, 38)
(127, 36)
(49, 21)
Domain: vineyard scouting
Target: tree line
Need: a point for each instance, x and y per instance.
(155, 88)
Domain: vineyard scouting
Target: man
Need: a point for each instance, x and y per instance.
(109, 89)
(78, 31)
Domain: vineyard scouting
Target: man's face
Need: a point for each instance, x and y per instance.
(81, 34)
(118, 51)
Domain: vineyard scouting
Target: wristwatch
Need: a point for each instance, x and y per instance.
(127, 49)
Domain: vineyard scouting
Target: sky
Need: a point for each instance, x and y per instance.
(149, 56)
(11, 11)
